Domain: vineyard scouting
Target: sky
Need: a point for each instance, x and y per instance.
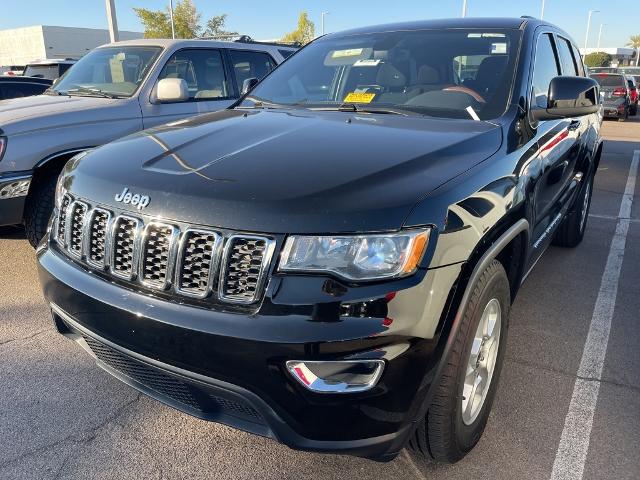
(269, 19)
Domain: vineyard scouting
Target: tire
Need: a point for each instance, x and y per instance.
(625, 116)
(447, 433)
(571, 232)
(38, 208)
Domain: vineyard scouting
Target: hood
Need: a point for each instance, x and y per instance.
(24, 115)
(278, 171)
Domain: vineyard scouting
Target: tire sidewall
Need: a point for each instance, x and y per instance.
(496, 287)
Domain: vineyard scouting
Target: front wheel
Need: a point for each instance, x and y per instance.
(464, 394)
(38, 208)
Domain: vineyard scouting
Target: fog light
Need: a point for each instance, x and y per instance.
(346, 376)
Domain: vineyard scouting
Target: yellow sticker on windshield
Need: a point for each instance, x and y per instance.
(359, 97)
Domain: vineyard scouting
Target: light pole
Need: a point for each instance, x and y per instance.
(586, 37)
(464, 8)
(322, 22)
(173, 28)
(600, 35)
(111, 20)
(542, 11)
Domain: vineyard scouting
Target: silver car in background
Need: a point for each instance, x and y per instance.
(113, 91)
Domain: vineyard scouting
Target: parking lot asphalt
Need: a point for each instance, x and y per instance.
(61, 417)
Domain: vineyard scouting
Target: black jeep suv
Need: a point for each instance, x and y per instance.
(331, 262)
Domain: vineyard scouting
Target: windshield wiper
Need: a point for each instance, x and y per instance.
(90, 92)
(353, 107)
(51, 91)
(261, 103)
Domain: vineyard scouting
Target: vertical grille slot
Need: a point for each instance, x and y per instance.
(62, 219)
(245, 262)
(156, 254)
(125, 233)
(195, 264)
(75, 227)
(96, 248)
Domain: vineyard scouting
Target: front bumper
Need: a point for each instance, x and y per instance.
(14, 188)
(230, 367)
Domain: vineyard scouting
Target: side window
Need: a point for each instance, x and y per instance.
(578, 58)
(566, 57)
(203, 71)
(248, 64)
(545, 68)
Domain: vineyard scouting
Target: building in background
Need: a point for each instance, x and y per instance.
(19, 46)
(620, 57)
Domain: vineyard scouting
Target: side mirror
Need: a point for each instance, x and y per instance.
(172, 90)
(248, 84)
(569, 97)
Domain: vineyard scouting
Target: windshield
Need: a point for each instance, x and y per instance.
(429, 72)
(111, 71)
(609, 80)
(49, 72)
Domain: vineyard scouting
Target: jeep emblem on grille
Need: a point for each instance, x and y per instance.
(129, 198)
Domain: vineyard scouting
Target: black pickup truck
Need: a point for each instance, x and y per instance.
(331, 262)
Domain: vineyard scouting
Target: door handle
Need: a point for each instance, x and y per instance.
(574, 125)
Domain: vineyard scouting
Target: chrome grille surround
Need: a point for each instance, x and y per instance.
(74, 226)
(179, 259)
(96, 237)
(243, 270)
(125, 238)
(197, 263)
(157, 254)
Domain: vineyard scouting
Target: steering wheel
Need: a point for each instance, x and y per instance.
(467, 90)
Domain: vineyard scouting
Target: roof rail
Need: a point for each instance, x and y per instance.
(247, 39)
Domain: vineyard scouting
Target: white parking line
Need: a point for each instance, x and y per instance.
(574, 442)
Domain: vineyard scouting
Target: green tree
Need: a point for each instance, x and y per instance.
(598, 59)
(305, 32)
(215, 27)
(186, 21)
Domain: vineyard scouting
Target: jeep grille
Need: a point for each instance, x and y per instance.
(181, 259)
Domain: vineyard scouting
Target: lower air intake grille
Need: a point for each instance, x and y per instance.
(155, 254)
(170, 386)
(243, 270)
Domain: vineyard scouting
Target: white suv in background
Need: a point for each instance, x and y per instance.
(115, 90)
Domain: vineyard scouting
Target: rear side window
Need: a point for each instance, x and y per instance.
(566, 57)
(545, 68)
(248, 64)
(203, 71)
(578, 57)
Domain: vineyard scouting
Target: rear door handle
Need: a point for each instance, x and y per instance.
(575, 124)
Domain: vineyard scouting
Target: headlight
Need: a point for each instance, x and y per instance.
(60, 191)
(3, 146)
(356, 257)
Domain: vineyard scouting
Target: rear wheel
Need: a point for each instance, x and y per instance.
(571, 232)
(463, 397)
